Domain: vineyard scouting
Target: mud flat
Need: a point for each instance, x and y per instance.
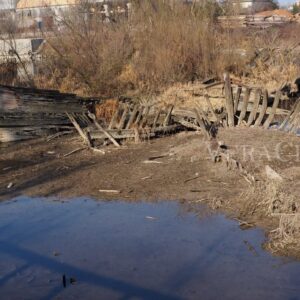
(178, 167)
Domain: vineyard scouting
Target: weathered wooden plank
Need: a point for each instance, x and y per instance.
(294, 117)
(114, 119)
(229, 101)
(254, 110)
(263, 109)
(156, 118)
(237, 99)
(274, 107)
(244, 105)
(188, 124)
(210, 106)
(140, 115)
(25, 133)
(132, 116)
(201, 123)
(168, 115)
(145, 116)
(123, 118)
(130, 133)
(107, 134)
(79, 130)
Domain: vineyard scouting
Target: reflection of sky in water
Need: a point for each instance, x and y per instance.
(118, 250)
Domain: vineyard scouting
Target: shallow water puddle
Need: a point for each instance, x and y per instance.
(119, 250)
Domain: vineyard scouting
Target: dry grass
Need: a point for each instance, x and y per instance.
(159, 45)
(271, 199)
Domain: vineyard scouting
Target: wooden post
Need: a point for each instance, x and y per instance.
(291, 116)
(253, 113)
(273, 111)
(156, 118)
(145, 116)
(201, 123)
(109, 136)
(132, 116)
(237, 99)
(263, 109)
(139, 116)
(123, 118)
(245, 104)
(80, 131)
(210, 106)
(168, 116)
(114, 119)
(229, 100)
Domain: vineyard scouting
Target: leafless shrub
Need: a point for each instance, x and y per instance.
(161, 43)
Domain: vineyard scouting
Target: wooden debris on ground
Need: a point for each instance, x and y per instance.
(27, 113)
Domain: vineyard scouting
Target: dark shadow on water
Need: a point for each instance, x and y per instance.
(127, 290)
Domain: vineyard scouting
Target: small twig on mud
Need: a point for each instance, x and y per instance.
(58, 134)
(98, 150)
(110, 191)
(152, 162)
(190, 179)
(74, 151)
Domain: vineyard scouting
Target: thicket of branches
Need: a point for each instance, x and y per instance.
(161, 42)
(157, 44)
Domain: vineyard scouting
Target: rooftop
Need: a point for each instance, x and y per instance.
(23, 4)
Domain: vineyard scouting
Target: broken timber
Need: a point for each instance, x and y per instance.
(27, 113)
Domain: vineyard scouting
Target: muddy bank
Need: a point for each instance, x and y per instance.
(177, 167)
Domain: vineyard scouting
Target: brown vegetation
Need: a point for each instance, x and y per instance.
(158, 45)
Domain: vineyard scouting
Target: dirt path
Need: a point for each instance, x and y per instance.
(177, 167)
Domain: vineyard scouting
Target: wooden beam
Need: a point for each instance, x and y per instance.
(79, 130)
(114, 119)
(123, 118)
(132, 116)
(201, 123)
(237, 99)
(156, 118)
(210, 106)
(168, 116)
(145, 116)
(274, 107)
(140, 115)
(229, 100)
(109, 136)
(263, 109)
(244, 105)
(253, 112)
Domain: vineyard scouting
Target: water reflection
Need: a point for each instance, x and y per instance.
(118, 250)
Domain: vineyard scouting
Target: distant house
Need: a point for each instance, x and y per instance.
(253, 6)
(7, 10)
(41, 13)
(21, 53)
(7, 4)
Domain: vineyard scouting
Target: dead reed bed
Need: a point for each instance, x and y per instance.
(271, 199)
